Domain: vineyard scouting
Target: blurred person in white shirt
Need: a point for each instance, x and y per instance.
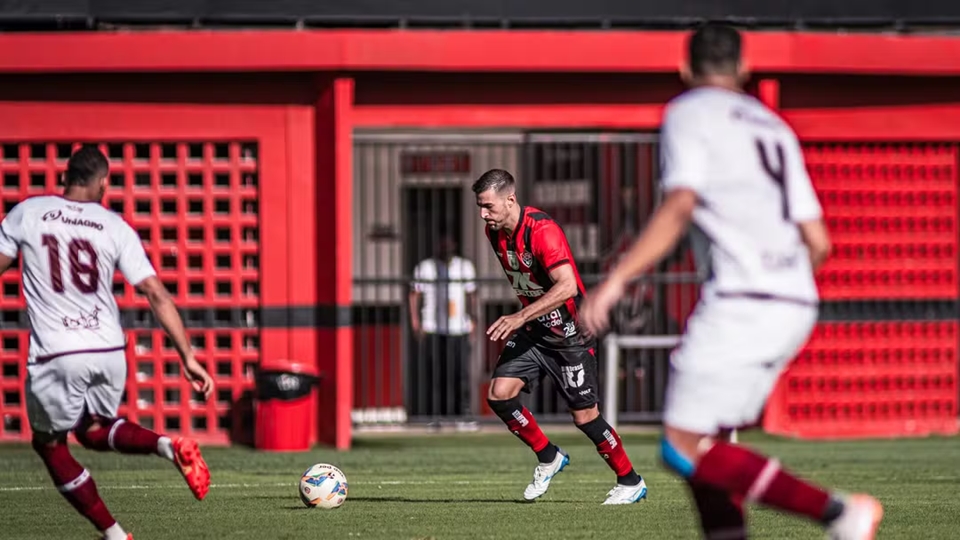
(442, 304)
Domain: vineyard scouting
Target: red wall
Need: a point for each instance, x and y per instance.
(319, 86)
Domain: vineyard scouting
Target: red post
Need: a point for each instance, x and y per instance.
(334, 197)
(768, 91)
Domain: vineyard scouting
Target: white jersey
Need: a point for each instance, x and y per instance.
(445, 288)
(747, 168)
(70, 253)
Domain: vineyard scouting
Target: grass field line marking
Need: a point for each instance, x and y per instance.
(4, 489)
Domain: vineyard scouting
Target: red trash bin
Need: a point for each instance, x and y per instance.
(285, 409)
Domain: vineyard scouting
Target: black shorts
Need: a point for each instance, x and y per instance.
(573, 369)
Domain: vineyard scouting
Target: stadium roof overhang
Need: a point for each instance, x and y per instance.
(460, 50)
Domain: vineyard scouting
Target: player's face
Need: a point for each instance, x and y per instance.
(495, 208)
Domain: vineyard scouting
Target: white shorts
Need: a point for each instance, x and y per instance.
(60, 390)
(730, 357)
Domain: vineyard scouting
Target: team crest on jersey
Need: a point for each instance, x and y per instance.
(512, 260)
(527, 259)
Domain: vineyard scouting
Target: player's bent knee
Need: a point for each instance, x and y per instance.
(585, 416)
(675, 460)
(504, 389)
(95, 434)
(43, 441)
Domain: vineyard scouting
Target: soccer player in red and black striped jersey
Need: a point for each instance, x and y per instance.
(544, 338)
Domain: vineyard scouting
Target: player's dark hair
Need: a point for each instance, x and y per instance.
(714, 49)
(86, 165)
(498, 180)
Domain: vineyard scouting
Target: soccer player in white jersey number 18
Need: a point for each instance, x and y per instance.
(735, 170)
(76, 367)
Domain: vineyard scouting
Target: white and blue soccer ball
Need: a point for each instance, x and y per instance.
(323, 486)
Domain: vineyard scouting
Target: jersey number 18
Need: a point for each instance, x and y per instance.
(84, 275)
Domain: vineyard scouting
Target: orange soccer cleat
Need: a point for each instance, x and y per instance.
(194, 469)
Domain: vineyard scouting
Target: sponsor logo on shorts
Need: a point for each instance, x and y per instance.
(573, 376)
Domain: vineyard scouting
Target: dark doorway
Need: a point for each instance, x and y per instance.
(432, 383)
(430, 211)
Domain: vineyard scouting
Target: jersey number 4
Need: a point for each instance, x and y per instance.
(776, 170)
(84, 275)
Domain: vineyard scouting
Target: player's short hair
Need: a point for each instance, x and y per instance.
(498, 180)
(714, 48)
(86, 165)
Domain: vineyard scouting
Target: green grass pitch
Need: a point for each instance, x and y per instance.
(466, 486)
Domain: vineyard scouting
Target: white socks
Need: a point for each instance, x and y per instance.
(115, 533)
(165, 448)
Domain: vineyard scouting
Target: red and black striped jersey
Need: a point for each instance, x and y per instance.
(527, 256)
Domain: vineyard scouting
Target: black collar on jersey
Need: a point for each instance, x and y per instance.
(516, 231)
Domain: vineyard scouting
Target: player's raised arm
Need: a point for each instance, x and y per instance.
(660, 236)
(683, 154)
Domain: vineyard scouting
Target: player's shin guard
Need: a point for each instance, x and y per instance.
(75, 483)
(610, 448)
(721, 514)
(121, 436)
(758, 479)
(522, 424)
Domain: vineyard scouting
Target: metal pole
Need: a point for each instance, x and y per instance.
(611, 354)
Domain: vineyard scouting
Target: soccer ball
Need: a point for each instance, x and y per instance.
(323, 486)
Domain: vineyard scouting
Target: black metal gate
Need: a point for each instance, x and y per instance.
(412, 195)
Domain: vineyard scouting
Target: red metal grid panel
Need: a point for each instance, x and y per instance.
(892, 213)
(879, 379)
(195, 205)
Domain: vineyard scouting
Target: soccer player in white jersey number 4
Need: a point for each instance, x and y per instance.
(736, 171)
(76, 368)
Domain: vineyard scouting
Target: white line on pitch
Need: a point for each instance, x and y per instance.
(293, 484)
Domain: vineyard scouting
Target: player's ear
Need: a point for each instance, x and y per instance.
(686, 74)
(743, 71)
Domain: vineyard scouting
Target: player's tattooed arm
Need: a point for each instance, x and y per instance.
(564, 288)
